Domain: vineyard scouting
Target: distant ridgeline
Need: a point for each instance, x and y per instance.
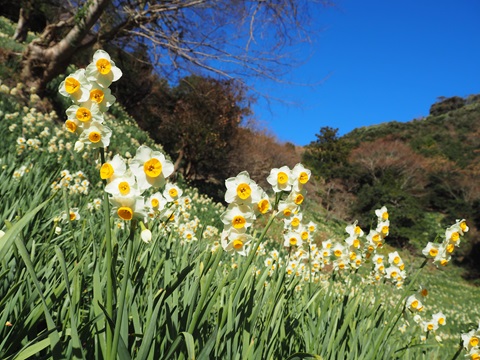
(444, 105)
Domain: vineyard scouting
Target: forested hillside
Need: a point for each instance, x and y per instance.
(426, 170)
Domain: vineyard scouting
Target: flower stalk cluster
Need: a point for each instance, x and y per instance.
(441, 253)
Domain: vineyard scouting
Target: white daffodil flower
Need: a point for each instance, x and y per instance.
(123, 185)
(241, 189)
(113, 168)
(150, 168)
(102, 69)
(172, 192)
(76, 86)
(281, 179)
(300, 175)
(236, 241)
(96, 135)
(238, 216)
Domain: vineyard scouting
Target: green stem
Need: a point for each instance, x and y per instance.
(205, 291)
(108, 260)
(70, 225)
(457, 354)
(252, 253)
(123, 291)
(386, 329)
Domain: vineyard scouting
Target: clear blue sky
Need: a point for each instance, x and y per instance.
(377, 61)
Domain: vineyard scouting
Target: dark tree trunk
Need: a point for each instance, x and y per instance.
(22, 25)
(46, 57)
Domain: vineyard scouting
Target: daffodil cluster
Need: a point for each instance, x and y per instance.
(75, 183)
(471, 343)
(441, 253)
(291, 182)
(126, 183)
(91, 97)
(415, 305)
(245, 200)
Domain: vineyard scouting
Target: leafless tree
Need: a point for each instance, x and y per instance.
(231, 38)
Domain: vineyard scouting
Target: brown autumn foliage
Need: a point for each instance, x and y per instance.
(257, 152)
(389, 154)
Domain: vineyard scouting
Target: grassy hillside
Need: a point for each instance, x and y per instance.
(77, 281)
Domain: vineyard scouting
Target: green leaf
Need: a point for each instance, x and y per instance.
(7, 240)
(304, 356)
(33, 349)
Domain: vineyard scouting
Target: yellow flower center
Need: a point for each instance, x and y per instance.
(97, 95)
(450, 248)
(353, 256)
(444, 262)
(463, 226)
(83, 114)
(474, 341)
(94, 137)
(295, 222)
(385, 216)
(173, 192)
(71, 126)
(338, 253)
(244, 191)
(298, 199)
(385, 229)
(394, 274)
(376, 238)
(414, 304)
(433, 252)
(124, 188)
(441, 321)
(455, 236)
(71, 85)
(237, 244)
(357, 230)
(282, 178)
(430, 327)
(263, 206)
(125, 213)
(396, 260)
(152, 167)
(356, 243)
(103, 66)
(106, 171)
(303, 177)
(401, 267)
(238, 222)
(73, 216)
(379, 260)
(304, 235)
(287, 212)
(155, 203)
(293, 241)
